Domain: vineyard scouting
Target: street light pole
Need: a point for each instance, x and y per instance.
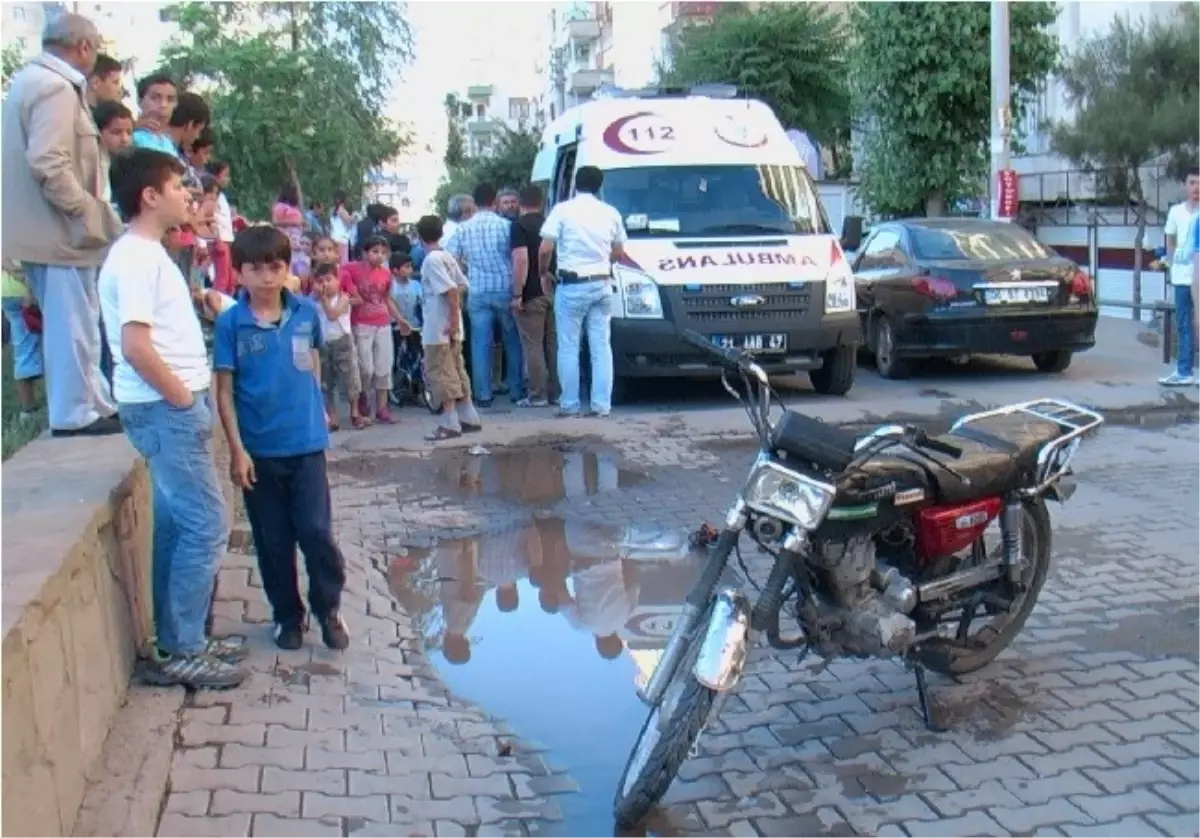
(1001, 111)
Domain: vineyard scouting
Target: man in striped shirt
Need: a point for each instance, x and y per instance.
(482, 246)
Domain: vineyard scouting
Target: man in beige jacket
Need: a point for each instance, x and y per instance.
(57, 220)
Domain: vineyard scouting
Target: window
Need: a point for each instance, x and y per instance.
(977, 243)
(715, 200)
(883, 251)
(481, 111)
(518, 109)
(18, 13)
(583, 53)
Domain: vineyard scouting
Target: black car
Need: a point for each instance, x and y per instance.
(952, 287)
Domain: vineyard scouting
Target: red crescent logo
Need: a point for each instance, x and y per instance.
(612, 135)
(757, 144)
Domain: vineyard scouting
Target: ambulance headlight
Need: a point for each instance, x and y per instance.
(639, 293)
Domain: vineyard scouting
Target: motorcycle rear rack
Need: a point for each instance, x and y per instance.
(1054, 458)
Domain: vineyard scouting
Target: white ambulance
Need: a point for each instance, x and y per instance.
(727, 235)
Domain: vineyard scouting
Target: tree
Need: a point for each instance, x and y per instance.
(790, 55)
(1136, 95)
(920, 76)
(510, 163)
(456, 153)
(12, 58)
(291, 100)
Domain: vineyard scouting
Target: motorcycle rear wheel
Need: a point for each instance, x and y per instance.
(662, 748)
(952, 657)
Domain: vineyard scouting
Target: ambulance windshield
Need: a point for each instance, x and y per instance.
(715, 200)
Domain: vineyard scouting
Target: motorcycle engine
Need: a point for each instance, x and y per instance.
(855, 617)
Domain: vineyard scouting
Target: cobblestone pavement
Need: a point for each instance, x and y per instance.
(1087, 726)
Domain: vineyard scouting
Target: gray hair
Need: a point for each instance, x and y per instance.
(69, 30)
(455, 206)
(506, 192)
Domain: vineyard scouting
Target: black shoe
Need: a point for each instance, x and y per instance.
(484, 403)
(105, 426)
(334, 632)
(289, 636)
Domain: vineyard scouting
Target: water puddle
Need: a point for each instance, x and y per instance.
(532, 476)
(550, 625)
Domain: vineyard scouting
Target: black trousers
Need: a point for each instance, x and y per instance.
(290, 506)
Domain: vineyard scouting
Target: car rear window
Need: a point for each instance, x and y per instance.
(987, 244)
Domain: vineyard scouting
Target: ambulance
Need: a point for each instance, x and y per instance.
(727, 235)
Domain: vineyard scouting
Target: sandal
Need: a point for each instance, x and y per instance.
(359, 422)
(334, 426)
(468, 428)
(441, 434)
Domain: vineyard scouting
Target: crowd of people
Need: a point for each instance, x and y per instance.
(126, 241)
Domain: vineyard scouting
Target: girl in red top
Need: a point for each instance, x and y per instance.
(368, 284)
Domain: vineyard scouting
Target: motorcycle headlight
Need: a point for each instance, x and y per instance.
(839, 290)
(639, 293)
(776, 491)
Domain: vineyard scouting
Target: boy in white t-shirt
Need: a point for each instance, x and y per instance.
(1179, 222)
(339, 359)
(160, 380)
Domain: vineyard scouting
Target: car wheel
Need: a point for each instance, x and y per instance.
(1054, 361)
(886, 362)
(836, 375)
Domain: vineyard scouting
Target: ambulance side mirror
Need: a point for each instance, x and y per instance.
(852, 229)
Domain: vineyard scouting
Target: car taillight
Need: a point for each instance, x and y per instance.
(935, 287)
(1081, 284)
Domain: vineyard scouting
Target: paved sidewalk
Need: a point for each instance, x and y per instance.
(1088, 726)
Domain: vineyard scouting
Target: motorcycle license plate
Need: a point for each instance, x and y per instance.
(1016, 295)
(752, 343)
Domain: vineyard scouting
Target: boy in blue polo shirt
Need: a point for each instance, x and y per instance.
(270, 403)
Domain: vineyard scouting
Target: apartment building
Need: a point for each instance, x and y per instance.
(487, 110)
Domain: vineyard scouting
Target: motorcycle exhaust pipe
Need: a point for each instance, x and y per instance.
(723, 650)
(958, 582)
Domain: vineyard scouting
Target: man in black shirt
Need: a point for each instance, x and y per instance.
(532, 303)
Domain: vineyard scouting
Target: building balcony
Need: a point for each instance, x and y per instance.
(479, 91)
(584, 82)
(583, 31)
(483, 127)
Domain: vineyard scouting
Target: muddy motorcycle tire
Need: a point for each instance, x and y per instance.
(950, 657)
(637, 795)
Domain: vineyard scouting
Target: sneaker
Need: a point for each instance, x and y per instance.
(531, 403)
(289, 636)
(202, 671)
(229, 649)
(599, 414)
(1177, 380)
(334, 632)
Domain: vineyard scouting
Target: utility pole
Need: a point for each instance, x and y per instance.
(1001, 111)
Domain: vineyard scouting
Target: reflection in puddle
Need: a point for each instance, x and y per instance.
(550, 625)
(533, 476)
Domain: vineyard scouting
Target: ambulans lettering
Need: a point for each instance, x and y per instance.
(733, 260)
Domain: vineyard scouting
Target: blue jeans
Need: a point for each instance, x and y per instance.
(191, 527)
(1185, 312)
(578, 306)
(27, 346)
(484, 309)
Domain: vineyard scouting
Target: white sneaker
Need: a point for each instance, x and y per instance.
(1177, 380)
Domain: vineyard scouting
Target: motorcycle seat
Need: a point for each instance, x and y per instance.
(999, 453)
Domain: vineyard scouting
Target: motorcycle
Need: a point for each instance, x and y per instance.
(878, 547)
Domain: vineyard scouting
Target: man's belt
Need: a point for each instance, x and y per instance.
(572, 278)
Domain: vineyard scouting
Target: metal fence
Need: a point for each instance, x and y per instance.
(1075, 197)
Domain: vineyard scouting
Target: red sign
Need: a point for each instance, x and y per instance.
(1008, 194)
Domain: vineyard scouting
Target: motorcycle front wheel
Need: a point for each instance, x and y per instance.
(666, 739)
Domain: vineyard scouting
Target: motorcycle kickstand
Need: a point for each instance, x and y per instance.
(923, 698)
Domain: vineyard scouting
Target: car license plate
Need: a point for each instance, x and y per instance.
(1016, 294)
(752, 343)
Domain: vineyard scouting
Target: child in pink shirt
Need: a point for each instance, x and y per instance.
(369, 284)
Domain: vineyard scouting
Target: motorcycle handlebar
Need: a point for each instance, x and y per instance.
(728, 357)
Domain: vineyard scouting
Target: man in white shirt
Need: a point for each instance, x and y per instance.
(589, 236)
(1179, 222)
(161, 380)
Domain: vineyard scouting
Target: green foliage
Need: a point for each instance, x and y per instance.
(16, 433)
(1136, 95)
(12, 58)
(292, 98)
(790, 55)
(456, 153)
(509, 164)
(921, 80)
